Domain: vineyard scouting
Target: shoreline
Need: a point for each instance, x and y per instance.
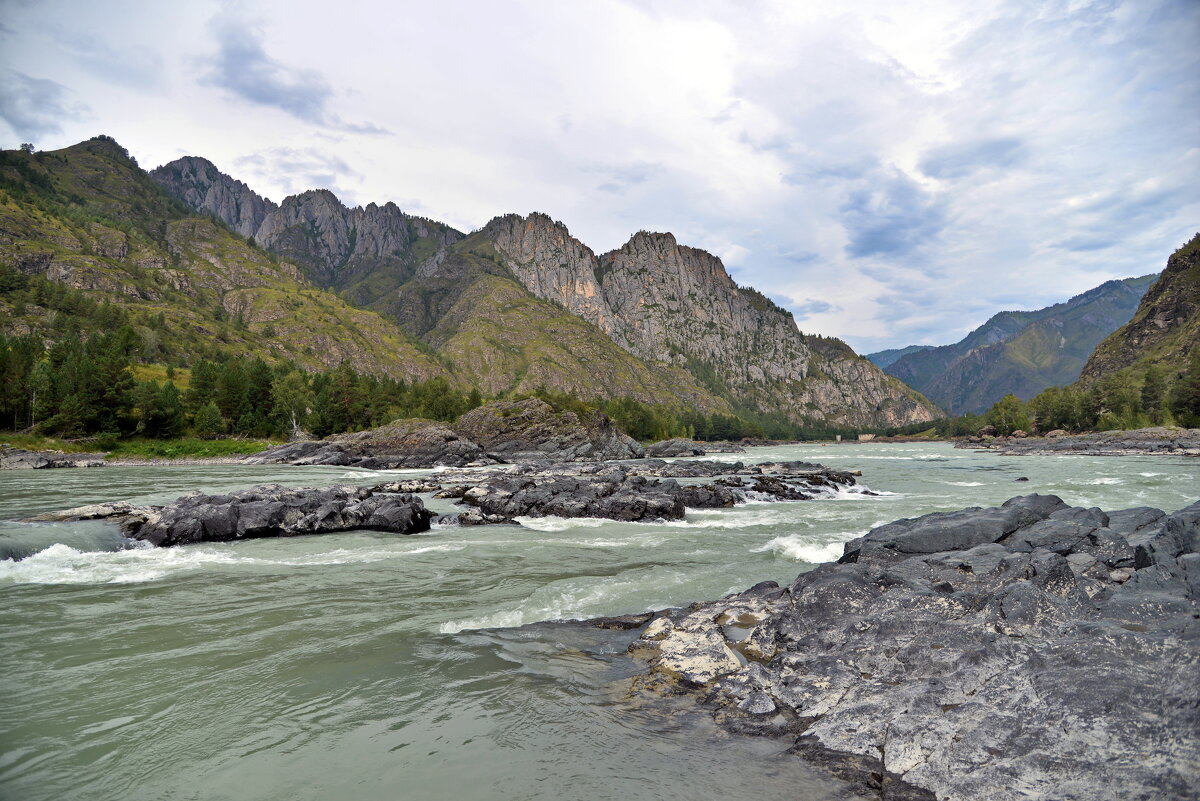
(1158, 441)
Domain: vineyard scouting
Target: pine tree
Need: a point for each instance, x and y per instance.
(208, 423)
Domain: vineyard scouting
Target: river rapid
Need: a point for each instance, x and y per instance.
(370, 666)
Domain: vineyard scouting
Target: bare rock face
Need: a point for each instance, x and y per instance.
(672, 304)
(531, 429)
(336, 245)
(199, 184)
(555, 266)
(1034, 650)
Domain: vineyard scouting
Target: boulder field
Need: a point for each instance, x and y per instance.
(1034, 650)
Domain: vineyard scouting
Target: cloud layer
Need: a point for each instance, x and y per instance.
(894, 174)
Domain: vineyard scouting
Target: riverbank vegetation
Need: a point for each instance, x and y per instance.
(1123, 400)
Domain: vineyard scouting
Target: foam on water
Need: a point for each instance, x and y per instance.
(807, 548)
(142, 562)
(578, 598)
(551, 523)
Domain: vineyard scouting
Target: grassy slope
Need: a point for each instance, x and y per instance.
(89, 218)
(1166, 327)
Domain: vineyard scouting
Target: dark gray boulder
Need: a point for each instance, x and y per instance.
(674, 448)
(625, 492)
(20, 459)
(1019, 652)
(269, 510)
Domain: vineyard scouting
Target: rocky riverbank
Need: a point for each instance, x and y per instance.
(1032, 650)
(1141, 442)
(20, 459)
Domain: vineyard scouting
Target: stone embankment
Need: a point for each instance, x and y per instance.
(1142, 442)
(1034, 650)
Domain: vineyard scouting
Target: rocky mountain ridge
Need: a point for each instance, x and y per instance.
(1022, 352)
(669, 307)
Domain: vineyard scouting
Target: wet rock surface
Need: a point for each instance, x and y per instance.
(269, 510)
(1033, 650)
(634, 491)
(20, 459)
(1158, 441)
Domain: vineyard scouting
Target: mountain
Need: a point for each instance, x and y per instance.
(522, 302)
(87, 219)
(885, 358)
(1020, 352)
(1165, 329)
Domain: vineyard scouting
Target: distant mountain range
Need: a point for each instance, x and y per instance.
(517, 305)
(1022, 352)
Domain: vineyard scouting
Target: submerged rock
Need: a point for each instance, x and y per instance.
(265, 511)
(1034, 650)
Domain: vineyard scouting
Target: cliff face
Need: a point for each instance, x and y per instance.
(677, 306)
(204, 188)
(366, 251)
(554, 266)
(1022, 352)
(1165, 329)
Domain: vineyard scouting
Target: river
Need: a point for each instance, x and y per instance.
(369, 666)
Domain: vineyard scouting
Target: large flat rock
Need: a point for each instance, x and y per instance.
(1030, 651)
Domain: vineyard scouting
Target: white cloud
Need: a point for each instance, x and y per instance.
(900, 172)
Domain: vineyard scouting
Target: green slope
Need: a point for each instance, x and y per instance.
(1020, 352)
(87, 218)
(1164, 331)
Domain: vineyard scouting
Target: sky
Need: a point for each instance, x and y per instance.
(893, 173)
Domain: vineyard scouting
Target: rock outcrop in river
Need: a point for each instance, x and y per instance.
(269, 510)
(503, 431)
(635, 491)
(402, 444)
(1033, 650)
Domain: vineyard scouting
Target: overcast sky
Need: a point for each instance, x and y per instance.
(892, 172)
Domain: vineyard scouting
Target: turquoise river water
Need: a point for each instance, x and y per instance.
(369, 666)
